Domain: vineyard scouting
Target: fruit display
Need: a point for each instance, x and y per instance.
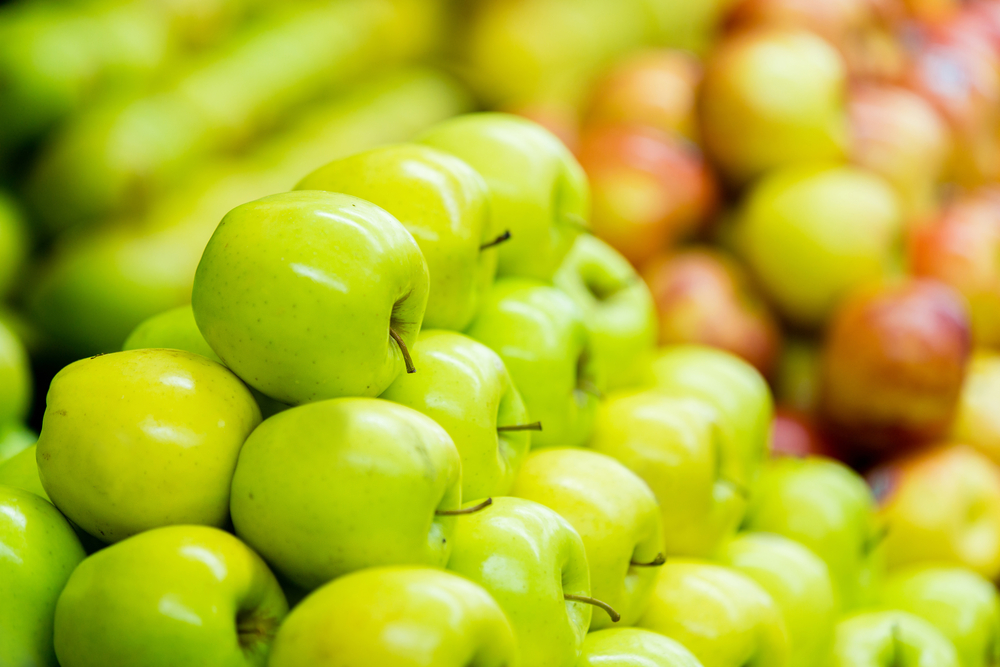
(500, 333)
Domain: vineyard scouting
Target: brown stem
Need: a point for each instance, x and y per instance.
(497, 241)
(656, 562)
(589, 387)
(533, 426)
(615, 616)
(468, 510)
(402, 348)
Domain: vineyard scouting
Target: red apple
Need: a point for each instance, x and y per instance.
(795, 433)
(649, 189)
(556, 116)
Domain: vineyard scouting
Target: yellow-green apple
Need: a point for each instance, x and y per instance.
(799, 583)
(174, 329)
(443, 203)
(178, 595)
(893, 363)
(465, 387)
(400, 616)
(772, 97)
(894, 638)
(960, 603)
(21, 472)
(617, 309)
(798, 376)
(143, 438)
(15, 377)
(537, 189)
(829, 508)
(704, 296)
(38, 552)
(650, 189)
(616, 515)
(541, 335)
(977, 419)
(941, 505)
(330, 487)
(282, 277)
(632, 647)
(719, 614)
(811, 233)
(15, 437)
(533, 563)
(13, 242)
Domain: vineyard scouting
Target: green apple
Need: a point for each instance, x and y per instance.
(21, 472)
(330, 487)
(799, 583)
(540, 334)
(178, 595)
(15, 377)
(529, 559)
(673, 443)
(311, 295)
(399, 616)
(15, 437)
(827, 507)
(977, 421)
(616, 515)
(722, 616)
(465, 387)
(13, 242)
(892, 638)
(143, 438)
(617, 309)
(38, 551)
(632, 647)
(537, 188)
(443, 203)
(961, 604)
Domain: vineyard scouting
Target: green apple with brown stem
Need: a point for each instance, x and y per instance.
(894, 638)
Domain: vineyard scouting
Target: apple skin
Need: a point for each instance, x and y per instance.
(799, 583)
(15, 377)
(537, 188)
(811, 233)
(632, 647)
(797, 379)
(867, 639)
(40, 552)
(15, 437)
(795, 433)
(21, 472)
(400, 616)
(616, 515)
(617, 309)
(330, 487)
(977, 420)
(745, 130)
(893, 364)
(527, 557)
(282, 275)
(13, 242)
(962, 605)
(703, 296)
(179, 595)
(941, 504)
(722, 616)
(144, 438)
(541, 335)
(465, 387)
(443, 203)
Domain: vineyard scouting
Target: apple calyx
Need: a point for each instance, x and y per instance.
(533, 426)
(656, 562)
(402, 348)
(253, 630)
(468, 510)
(615, 616)
(497, 241)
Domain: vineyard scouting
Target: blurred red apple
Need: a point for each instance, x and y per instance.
(933, 11)
(558, 117)
(893, 364)
(649, 189)
(702, 296)
(795, 433)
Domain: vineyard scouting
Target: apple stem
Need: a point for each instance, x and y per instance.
(875, 540)
(656, 562)
(402, 348)
(615, 616)
(589, 387)
(896, 652)
(497, 241)
(533, 426)
(468, 510)
(740, 490)
(577, 221)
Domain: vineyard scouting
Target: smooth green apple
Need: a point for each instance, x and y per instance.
(143, 438)
(15, 437)
(890, 638)
(977, 419)
(311, 295)
(38, 552)
(399, 616)
(616, 515)
(465, 387)
(15, 377)
(330, 487)
(537, 188)
(179, 595)
(722, 616)
(540, 334)
(443, 203)
(617, 307)
(632, 647)
(799, 583)
(961, 604)
(21, 472)
(529, 559)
